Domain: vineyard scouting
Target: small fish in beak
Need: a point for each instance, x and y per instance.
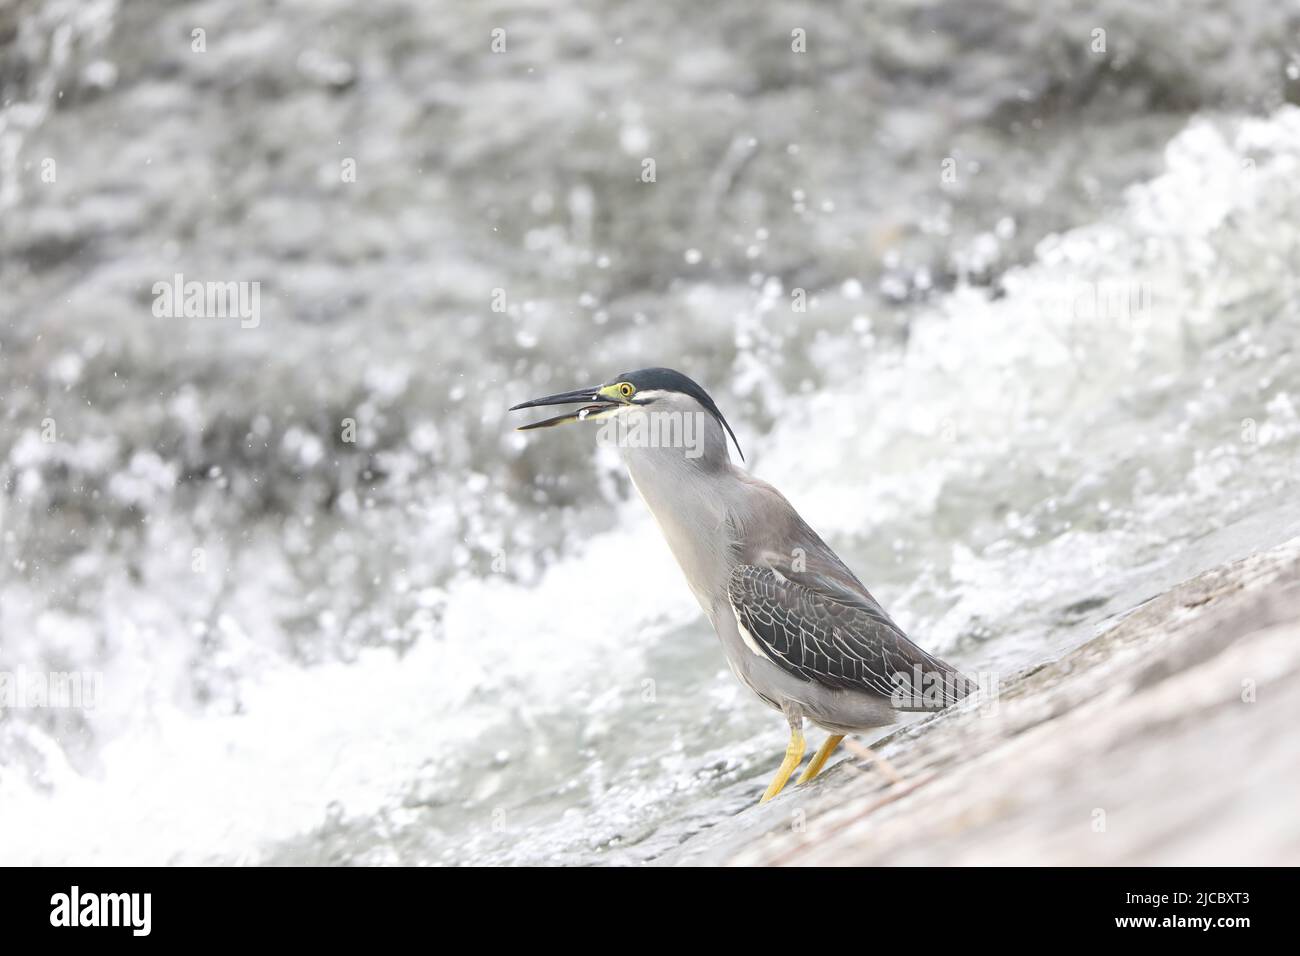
(592, 396)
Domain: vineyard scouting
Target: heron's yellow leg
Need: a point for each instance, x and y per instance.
(793, 754)
(819, 759)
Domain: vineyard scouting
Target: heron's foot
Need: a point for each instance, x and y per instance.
(819, 759)
(885, 767)
(793, 754)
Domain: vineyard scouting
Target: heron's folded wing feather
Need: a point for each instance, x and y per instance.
(815, 635)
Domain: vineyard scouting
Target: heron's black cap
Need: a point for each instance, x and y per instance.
(671, 380)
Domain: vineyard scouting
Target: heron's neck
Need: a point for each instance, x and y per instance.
(689, 500)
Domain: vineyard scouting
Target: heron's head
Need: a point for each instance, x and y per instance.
(649, 403)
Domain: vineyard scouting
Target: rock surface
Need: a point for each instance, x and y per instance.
(1168, 739)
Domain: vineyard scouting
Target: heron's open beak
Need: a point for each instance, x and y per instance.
(595, 398)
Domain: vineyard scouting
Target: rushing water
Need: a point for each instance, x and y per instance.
(1030, 385)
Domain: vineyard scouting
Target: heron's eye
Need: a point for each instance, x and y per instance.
(625, 389)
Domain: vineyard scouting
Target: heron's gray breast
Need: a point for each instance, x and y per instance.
(691, 510)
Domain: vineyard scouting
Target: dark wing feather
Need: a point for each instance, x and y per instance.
(839, 638)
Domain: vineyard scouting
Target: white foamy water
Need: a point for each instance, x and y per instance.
(1013, 472)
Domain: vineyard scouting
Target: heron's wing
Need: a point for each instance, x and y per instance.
(823, 631)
